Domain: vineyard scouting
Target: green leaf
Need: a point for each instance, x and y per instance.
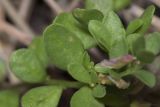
(131, 39)
(138, 45)
(134, 26)
(115, 28)
(102, 5)
(67, 20)
(2, 70)
(146, 77)
(101, 34)
(153, 42)
(78, 72)
(9, 98)
(147, 18)
(26, 66)
(62, 46)
(46, 96)
(120, 4)
(37, 46)
(102, 69)
(84, 98)
(99, 91)
(84, 15)
(145, 56)
(119, 48)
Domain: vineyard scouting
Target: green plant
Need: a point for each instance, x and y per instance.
(65, 43)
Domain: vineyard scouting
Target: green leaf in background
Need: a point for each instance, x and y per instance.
(115, 27)
(45, 96)
(134, 26)
(26, 66)
(153, 42)
(138, 45)
(99, 91)
(131, 39)
(102, 5)
(101, 34)
(119, 48)
(84, 16)
(9, 98)
(120, 4)
(146, 77)
(147, 18)
(84, 98)
(2, 70)
(37, 46)
(67, 20)
(78, 72)
(62, 46)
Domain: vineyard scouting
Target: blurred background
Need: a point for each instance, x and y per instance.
(22, 20)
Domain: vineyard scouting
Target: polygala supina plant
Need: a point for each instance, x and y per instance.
(64, 44)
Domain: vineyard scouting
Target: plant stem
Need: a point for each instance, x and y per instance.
(64, 83)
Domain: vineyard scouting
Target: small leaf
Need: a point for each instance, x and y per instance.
(37, 46)
(62, 46)
(46, 96)
(153, 42)
(102, 5)
(99, 91)
(84, 98)
(115, 28)
(101, 34)
(26, 66)
(138, 45)
(120, 4)
(131, 39)
(145, 56)
(84, 16)
(146, 77)
(134, 26)
(9, 98)
(68, 21)
(119, 48)
(102, 69)
(147, 18)
(114, 25)
(78, 72)
(2, 70)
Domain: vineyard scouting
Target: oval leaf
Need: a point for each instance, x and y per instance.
(37, 46)
(146, 77)
(78, 72)
(134, 26)
(67, 20)
(153, 42)
(46, 96)
(102, 5)
(62, 46)
(26, 66)
(9, 98)
(84, 98)
(99, 91)
(84, 15)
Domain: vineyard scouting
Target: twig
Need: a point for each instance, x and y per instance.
(25, 8)
(54, 6)
(73, 5)
(12, 31)
(137, 11)
(16, 17)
